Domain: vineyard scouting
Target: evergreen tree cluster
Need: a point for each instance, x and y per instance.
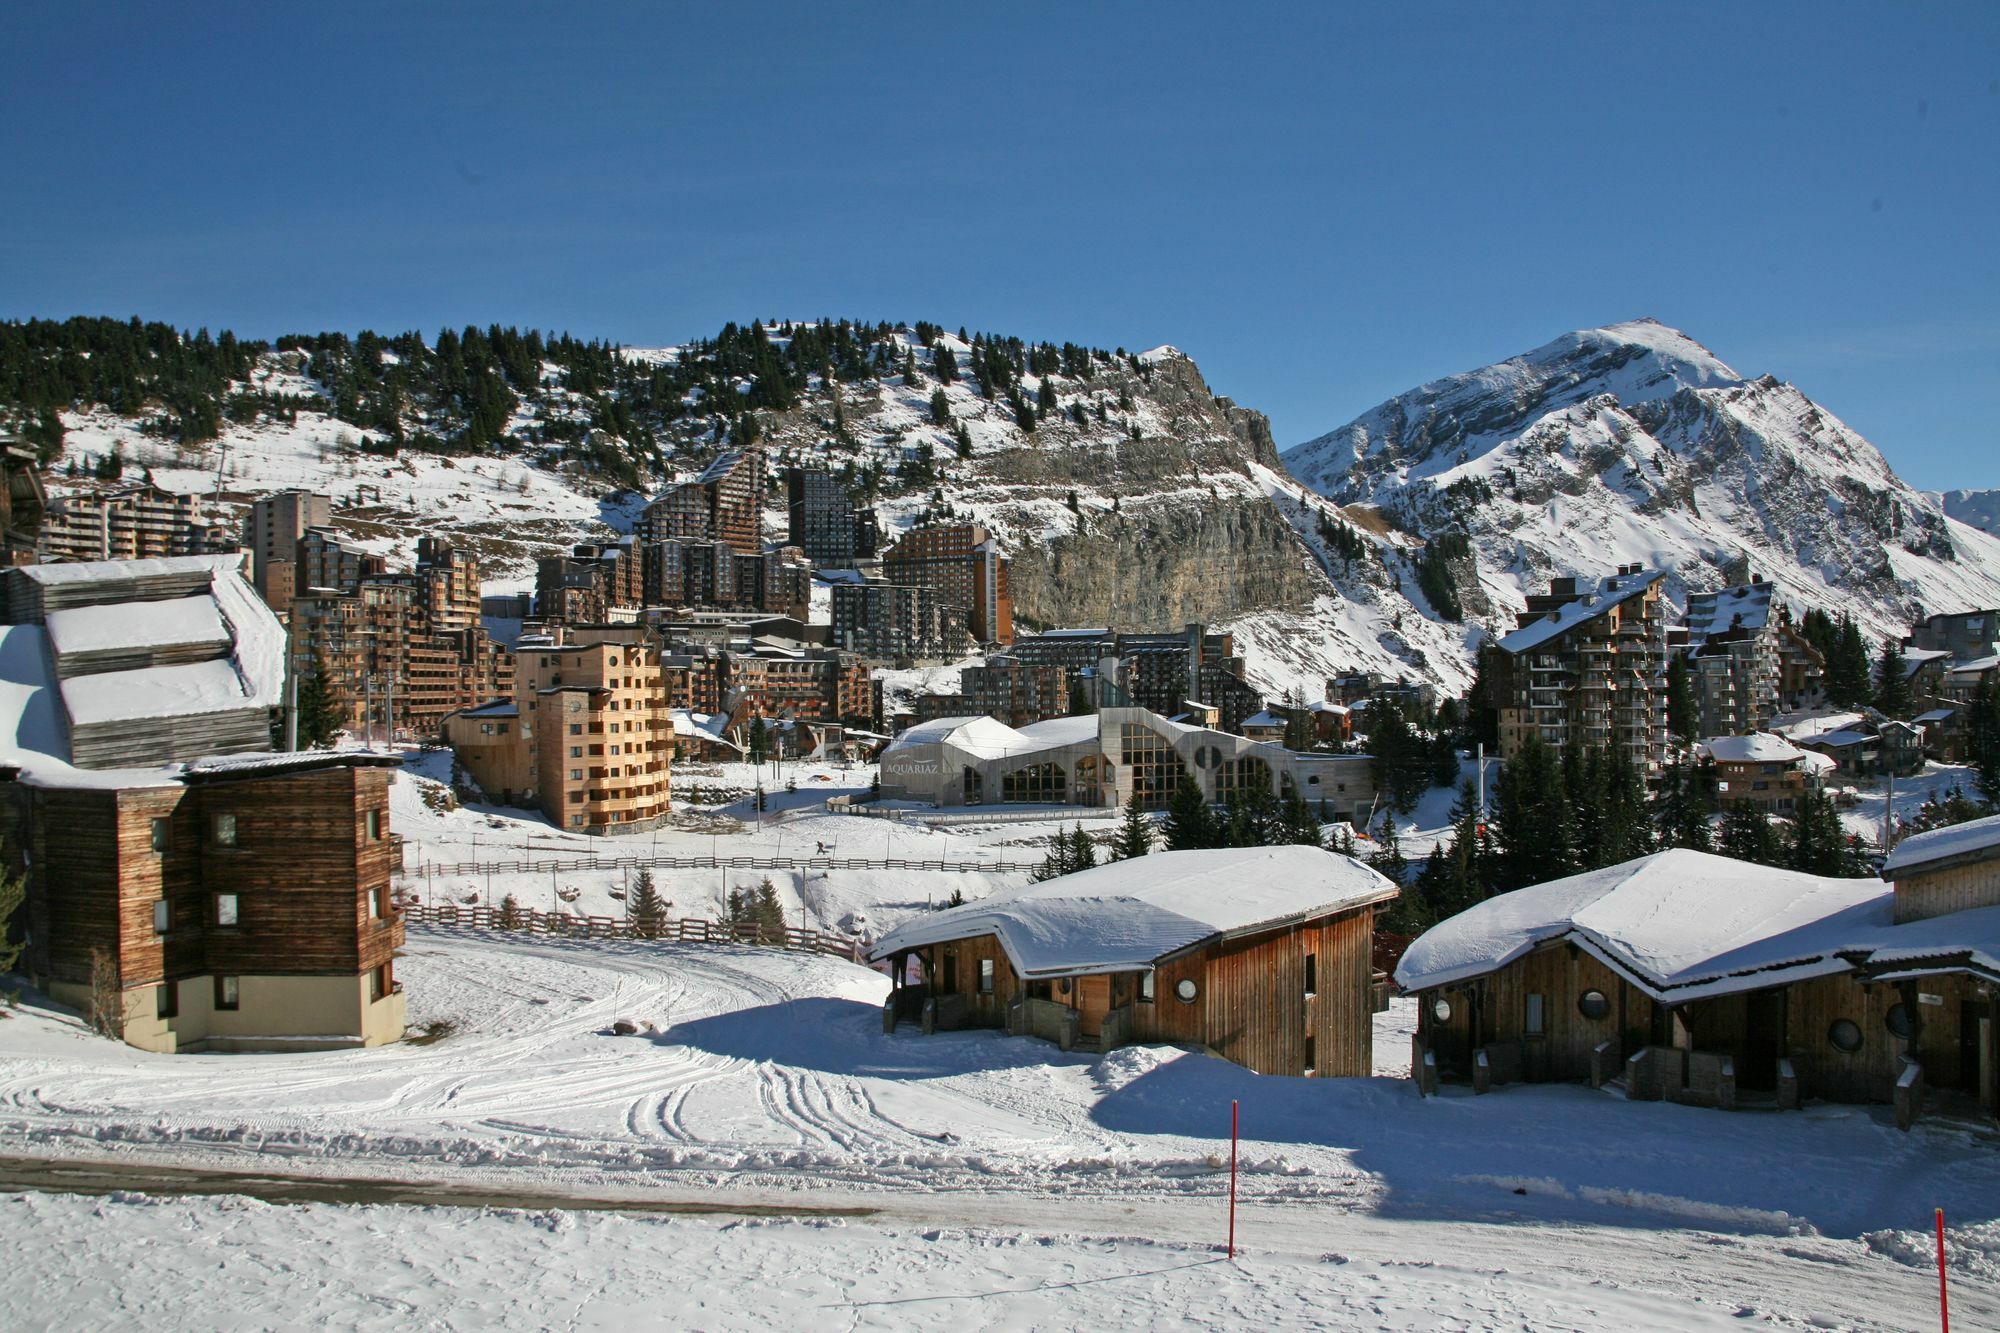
(1408, 762)
(1434, 573)
(1252, 818)
(1343, 539)
(1068, 853)
(759, 910)
(1983, 742)
(1849, 683)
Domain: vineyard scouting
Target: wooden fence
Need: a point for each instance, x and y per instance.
(527, 920)
(713, 863)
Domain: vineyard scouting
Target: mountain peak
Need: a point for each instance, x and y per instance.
(1672, 355)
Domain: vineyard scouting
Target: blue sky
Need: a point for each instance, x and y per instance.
(1323, 204)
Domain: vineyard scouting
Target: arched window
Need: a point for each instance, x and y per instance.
(1155, 769)
(1039, 784)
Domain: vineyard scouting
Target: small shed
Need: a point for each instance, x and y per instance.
(1261, 954)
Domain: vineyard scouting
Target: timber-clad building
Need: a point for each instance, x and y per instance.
(1700, 979)
(187, 887)
(1259, 954)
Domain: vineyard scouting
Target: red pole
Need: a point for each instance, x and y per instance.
(1233, 1187)
(1944, 1306)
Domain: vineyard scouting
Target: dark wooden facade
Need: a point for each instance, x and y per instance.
(306, 869)
(1934, 1020)
(1252, 1003)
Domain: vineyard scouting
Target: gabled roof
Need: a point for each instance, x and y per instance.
(978, 735)
(1758, 748)
(1977, 840)
(1747, 607)
(1679, 924)
(1131, 914)
(1611, 592)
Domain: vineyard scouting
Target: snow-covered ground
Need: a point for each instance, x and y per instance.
(1013, 1185)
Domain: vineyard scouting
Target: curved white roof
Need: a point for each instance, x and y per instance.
(981, 737)
(1129, 914)
(1681, 924)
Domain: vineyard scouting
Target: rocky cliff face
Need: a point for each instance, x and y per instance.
(1635, 443)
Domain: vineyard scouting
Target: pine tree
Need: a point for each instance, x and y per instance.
(317, 719)
(1680, 811)
(1982, 741)
(1411, 913)
(1681, 716)
(1847, 675)
(1135, 833)
(1747, 835)
(1482, 709)
(1892, 681)
(759, 741)
(1818, 844)
(1297, 824)
(1532, 818)
(940, 408)
(768, 913)
(1189, 823)
(649, 910)
(1082, 851)
(1387, 857)
(1625, 831)
(510, 914)
(1058, 862)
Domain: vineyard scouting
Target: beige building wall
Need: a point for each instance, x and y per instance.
(273, 1014)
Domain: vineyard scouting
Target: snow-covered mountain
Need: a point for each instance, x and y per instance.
(1635, 443)
(1977, 509)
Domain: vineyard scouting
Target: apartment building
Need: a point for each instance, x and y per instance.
(195, 903)
(724, 504)
(589, 728)
(272, 528)
(1588, 666)
(894, 622)
(961, 563)
(135, 522)
(820, 518)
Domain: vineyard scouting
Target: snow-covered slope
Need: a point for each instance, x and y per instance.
(1634, 443)
(1976, 509)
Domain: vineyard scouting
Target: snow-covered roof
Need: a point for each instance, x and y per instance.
(1799, 727)
(1131, 914)
(1839, 740)
(1678, 923)
(1077, 729)
(1758, 748)
(713, 726)
(1977, 666)
(1610, 592)
(1976, 840)
(1935, 715)
(1266, 718)
(178, 622)
(497, 708)
(979, 736)
(107, 571)
(1915, 659)
(1747, 606)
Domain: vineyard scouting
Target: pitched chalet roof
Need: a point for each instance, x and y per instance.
(1610, 592)
(1683, 925)
(1978, 840)
(1131, 914)
(1758, 748)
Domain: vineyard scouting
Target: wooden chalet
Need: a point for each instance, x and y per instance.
(1262, 955)
(1700, 979)
(187, 888)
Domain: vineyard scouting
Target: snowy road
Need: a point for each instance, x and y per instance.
(769, 1082)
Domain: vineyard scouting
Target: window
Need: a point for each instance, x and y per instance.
(1897, 1020)
(225, 830)
(374, 826)
(576, 775)
(614, 749)
(1311, 1051)
(166, 1001)
(225, 909)
(161, 829)
(378, 903)
(1592, 1005)
(1844, 1036)
(576, 821)
(576, 728)
(226, 995)
(380, 982)
(486, 728)
(1185, 990)
(986, 976)
(576, 752)
(1441, 1009)
(163, 917)
(1312, 977)
(1531, 1021)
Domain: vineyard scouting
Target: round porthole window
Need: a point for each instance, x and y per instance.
(1207, 756)
(1844, 1036)
(1592, 1004)
(1897, 1020)
(1441, 1009)
(1063, 985)
(1185, 990)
